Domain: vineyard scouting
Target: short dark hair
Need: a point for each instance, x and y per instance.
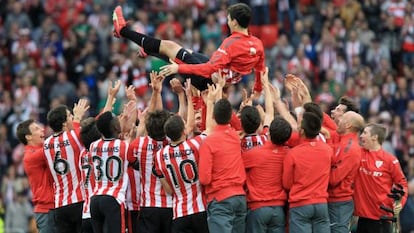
(56, 117)
(250, 119)
(23, 129)
(174, 127)
(222, 112)
(108, 125)
(241, 13)
(311, 124)
(89, 132)
(154, 124)
(379, 130)
(279, 130)
(313, 107)
(349, 103)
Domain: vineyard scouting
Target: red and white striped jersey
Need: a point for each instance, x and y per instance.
(88, 180)
(179, 166)
(110, 163)
(152, 193)
(62, 152)
(133, 190)
(252, 140)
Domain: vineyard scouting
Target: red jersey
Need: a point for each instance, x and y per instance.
(62, 152)
(329, 124)
(110, 166)
(252, 140)
(378, 172)
(133, 190)
(40, 179)
(306, 171)
(295, 139)
(345, 165)
(238, 55)
(264, 168)
(88, 180)
(178, 164)
(152, 193)
(221, 166)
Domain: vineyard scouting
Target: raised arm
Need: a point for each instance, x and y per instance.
(79, 111)
(190, 107)
(281, 107)
(156, 84)
(269, 110)
(112, 92)
(178, 89)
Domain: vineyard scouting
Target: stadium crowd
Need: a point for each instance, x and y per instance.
(56, 52)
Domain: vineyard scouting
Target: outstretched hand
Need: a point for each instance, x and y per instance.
(170, 69)
(176, 86)
(114, 88)
(80, 109)
(156, 81)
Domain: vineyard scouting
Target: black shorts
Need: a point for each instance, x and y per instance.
(196, 223)
(87, 225)
(153, 219)
(131, 219)
(68, 219)
(198, 82)
(108, 214)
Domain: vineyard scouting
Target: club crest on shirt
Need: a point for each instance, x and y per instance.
(252, 51)
(378, 163)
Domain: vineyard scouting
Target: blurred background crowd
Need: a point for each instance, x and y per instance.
(57, 51)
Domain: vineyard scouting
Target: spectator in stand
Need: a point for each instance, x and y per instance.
(379, 172)
(31, 134)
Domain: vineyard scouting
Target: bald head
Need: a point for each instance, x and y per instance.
(356, 121)
(350, 122)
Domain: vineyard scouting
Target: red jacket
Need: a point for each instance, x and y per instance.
(40, 178)
(221, 168)
(264, 166)
(239, 54)
(378, 172)
(306, 173)
(345, 165)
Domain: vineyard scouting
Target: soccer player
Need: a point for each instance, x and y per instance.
(132, 201)
(177, 164)
(345, 104)
(156, 205)
(264, 167)
(222, 173)
(251, 120)
(238, 55)
(35, 165)
(110, 161)
(62, 151)
(378, 174)
(306, 170)
(88, 134)
(345, 166)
